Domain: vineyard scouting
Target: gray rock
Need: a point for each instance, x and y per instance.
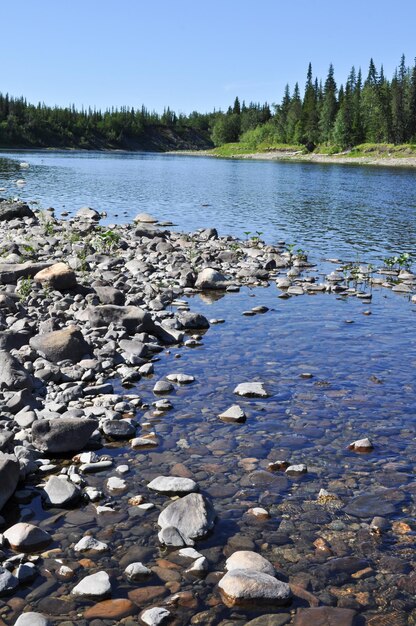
(246, 559)
(192, 321)
(24, 537)
(26, 572)
(63, 434)
(170, 485)
(61, 492)
(21, 400)
(94, 586)
(132, 318)
(31, 618)
(12, 374)
(60, 345)
(9, 477)
(10, 209)
(170, 536)
(193, 516)
(88, 214)
(118, 429)
(162, 386)
(145, 218)
(11, 272)
(110, 295)
(245, 586)
(8, 582)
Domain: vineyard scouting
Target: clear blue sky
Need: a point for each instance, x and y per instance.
(192, 54)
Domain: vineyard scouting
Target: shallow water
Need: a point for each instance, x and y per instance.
(362, 384)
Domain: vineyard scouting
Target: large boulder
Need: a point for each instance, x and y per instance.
(65, 434)
(9, 477)
(11, 272)
(58, 276)
(132, 318)
(24, 537)
(209, 278)
(10, 210)
(189, 320)
(12, 373)
(192, 517)
(60, 345)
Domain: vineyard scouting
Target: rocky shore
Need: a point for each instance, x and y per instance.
(85, 311)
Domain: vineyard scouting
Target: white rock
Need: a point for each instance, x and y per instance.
(189, 553)
(94, 586)
(300, 468)
(136, 571)
(31, 618)
(234, 414)
(246, 559)
(154, 616)
(89, 543)
(361, 444)
(243, 585)
(114, 483)
(251, 390)
(173, 484)
(199, 566)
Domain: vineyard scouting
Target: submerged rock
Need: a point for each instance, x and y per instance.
(251, 390)
(242, 587)
(192, 516)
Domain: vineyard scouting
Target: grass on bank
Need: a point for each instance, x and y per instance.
(369, 150)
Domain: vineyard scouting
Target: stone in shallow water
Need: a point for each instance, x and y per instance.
(137, 571)
(296, 469)
(162, 386)
(8, 582)
(361, 445)
(89, 543)
(111, 609)
(251, 390)
(173, 484)
(245, 587)
(246, 559)
(118, 429)
(31, 618)
(275, 619)
(94, 586)
(154, 616)
(61, 492)
(234, 414)
(325, 616)
(369, 505)
(193, 516)
(25, 537)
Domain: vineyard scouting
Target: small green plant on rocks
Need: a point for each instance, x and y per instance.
(106, 240)
(24, 289)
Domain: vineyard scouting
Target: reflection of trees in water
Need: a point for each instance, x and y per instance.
(9, 168)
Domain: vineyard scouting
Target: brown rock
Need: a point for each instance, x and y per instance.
(60, 345)
(143, 596)
(324, 616)
(59, 276)
(111, 609)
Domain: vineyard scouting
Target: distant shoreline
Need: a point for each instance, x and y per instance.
(289, 156)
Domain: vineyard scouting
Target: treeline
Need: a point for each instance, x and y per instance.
(373, 109)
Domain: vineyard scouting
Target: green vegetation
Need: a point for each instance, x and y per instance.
(363, 112)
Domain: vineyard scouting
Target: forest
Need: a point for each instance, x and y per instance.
(372, 109)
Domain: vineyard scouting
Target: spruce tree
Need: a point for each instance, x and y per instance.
(310, 120)
(329, 107)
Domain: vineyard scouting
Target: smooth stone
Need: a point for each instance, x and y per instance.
(243, 586)
(324, 616)
(114, 483)
(95, 586)
(63, 434)
(58, 276)
(61, 345)
(251, 390)
(111, 609)
(246, 559)
(296, 469)
(24, 537)
(162, 386)
(189, 553)
(210, 278)
(278, 619)
(31, 618)
(361, 445)
(137, 571)
(173, 485)
(183, 379)
(154, 616)
(118, 429)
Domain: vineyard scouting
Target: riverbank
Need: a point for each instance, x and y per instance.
(383, 160)
(144, 356)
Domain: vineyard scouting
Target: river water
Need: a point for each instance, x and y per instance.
(360, 357)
